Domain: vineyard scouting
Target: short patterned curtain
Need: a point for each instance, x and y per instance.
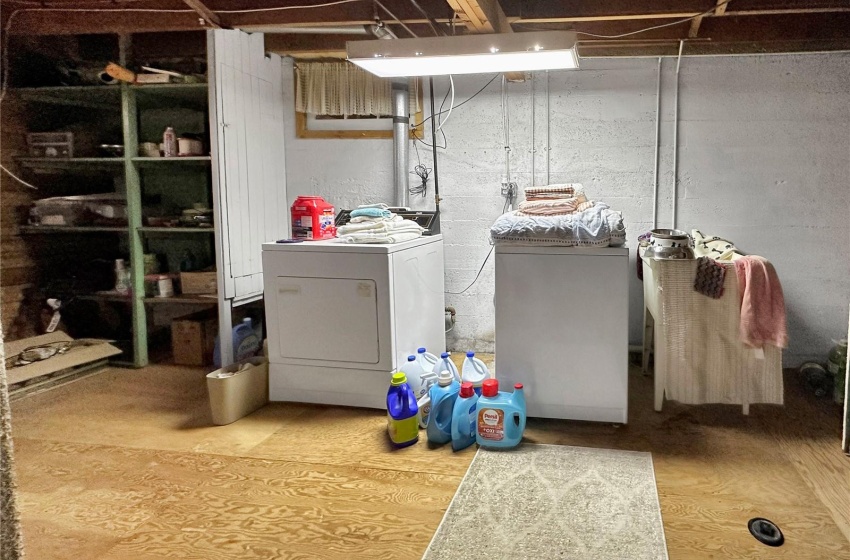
(342, 89)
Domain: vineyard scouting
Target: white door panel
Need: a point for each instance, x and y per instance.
(329, 319)
(247, 147)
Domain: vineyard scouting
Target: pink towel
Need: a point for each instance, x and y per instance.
(762, 303)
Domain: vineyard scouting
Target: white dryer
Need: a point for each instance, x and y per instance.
(343, 317)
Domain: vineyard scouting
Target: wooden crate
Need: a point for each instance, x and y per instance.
(199, 282)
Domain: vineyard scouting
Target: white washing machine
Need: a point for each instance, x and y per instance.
(562, 327)
(342, 317)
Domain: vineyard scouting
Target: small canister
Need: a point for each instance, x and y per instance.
(165, 287)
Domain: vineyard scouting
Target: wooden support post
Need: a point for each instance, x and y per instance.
(133, 189)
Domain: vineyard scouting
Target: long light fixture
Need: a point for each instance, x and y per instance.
(466, 54)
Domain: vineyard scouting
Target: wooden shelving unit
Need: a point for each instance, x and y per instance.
(126, 105)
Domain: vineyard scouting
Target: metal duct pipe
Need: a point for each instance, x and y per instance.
(401, 141)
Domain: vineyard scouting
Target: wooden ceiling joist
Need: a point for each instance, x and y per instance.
(485, 16)
(694, 30)
(205, 13)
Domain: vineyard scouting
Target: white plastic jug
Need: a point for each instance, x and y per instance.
(414, 372)
(474, 371)
(427, 360)
(446, 364)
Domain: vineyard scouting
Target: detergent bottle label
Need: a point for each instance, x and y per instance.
(491, 424)
(402, 431)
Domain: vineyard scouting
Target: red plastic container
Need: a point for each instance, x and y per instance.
(312, 218)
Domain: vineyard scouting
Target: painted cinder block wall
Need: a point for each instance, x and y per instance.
(763, 159)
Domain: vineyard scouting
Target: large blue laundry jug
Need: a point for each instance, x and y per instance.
(501, 416)
(464, 418)
(442, 396)
(246, 343)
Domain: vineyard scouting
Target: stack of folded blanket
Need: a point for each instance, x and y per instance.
(374, 223)
(560, 215)
(554, 200)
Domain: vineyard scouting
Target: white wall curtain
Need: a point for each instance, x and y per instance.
(342, 89)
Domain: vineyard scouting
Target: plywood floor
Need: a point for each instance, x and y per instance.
(125, 465)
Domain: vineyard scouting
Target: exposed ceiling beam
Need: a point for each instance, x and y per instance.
(485, 16)
(481, 16)
(721, 7)
(694, 30)
(206, 14)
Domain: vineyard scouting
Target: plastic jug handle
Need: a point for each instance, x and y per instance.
(515, 429)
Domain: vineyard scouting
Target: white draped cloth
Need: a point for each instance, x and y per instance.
(699, 356)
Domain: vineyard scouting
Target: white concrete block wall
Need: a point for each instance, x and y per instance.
(764, 159)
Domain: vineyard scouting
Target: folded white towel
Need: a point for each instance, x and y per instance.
(380, 227)
(394, 237)
(363, 219)
(380, 205)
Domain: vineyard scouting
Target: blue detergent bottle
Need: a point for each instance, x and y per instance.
(464, 418)
(442, 396)
(402, 412)
(501, 416)
(246, 343)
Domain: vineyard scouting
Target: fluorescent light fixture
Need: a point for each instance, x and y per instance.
(466, 54)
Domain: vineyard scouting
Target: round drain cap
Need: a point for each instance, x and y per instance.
(766, 531)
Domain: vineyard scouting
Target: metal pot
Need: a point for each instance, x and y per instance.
(669, 244)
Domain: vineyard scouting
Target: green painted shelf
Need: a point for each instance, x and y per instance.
(193, 96)
(95, 97)
(187, 299)
(180, 160)
(175, 230)
(78, 164)
(72, 229)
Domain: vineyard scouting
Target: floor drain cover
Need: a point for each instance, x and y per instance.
(766, 531)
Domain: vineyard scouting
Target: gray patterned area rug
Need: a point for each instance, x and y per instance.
(553, 501)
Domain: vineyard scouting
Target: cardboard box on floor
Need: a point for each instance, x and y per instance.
(76, 357)
(193, 338)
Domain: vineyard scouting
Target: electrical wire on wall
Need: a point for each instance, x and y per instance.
(422, 172)
(509, 188)
(481, 268)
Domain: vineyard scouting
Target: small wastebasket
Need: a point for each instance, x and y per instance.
(238, 390)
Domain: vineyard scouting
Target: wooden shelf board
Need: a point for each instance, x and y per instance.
(186, 298)
(184, 95)
(176, 230)
(97, 97)
(72, 229)
(148, 161)
(81, 163)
